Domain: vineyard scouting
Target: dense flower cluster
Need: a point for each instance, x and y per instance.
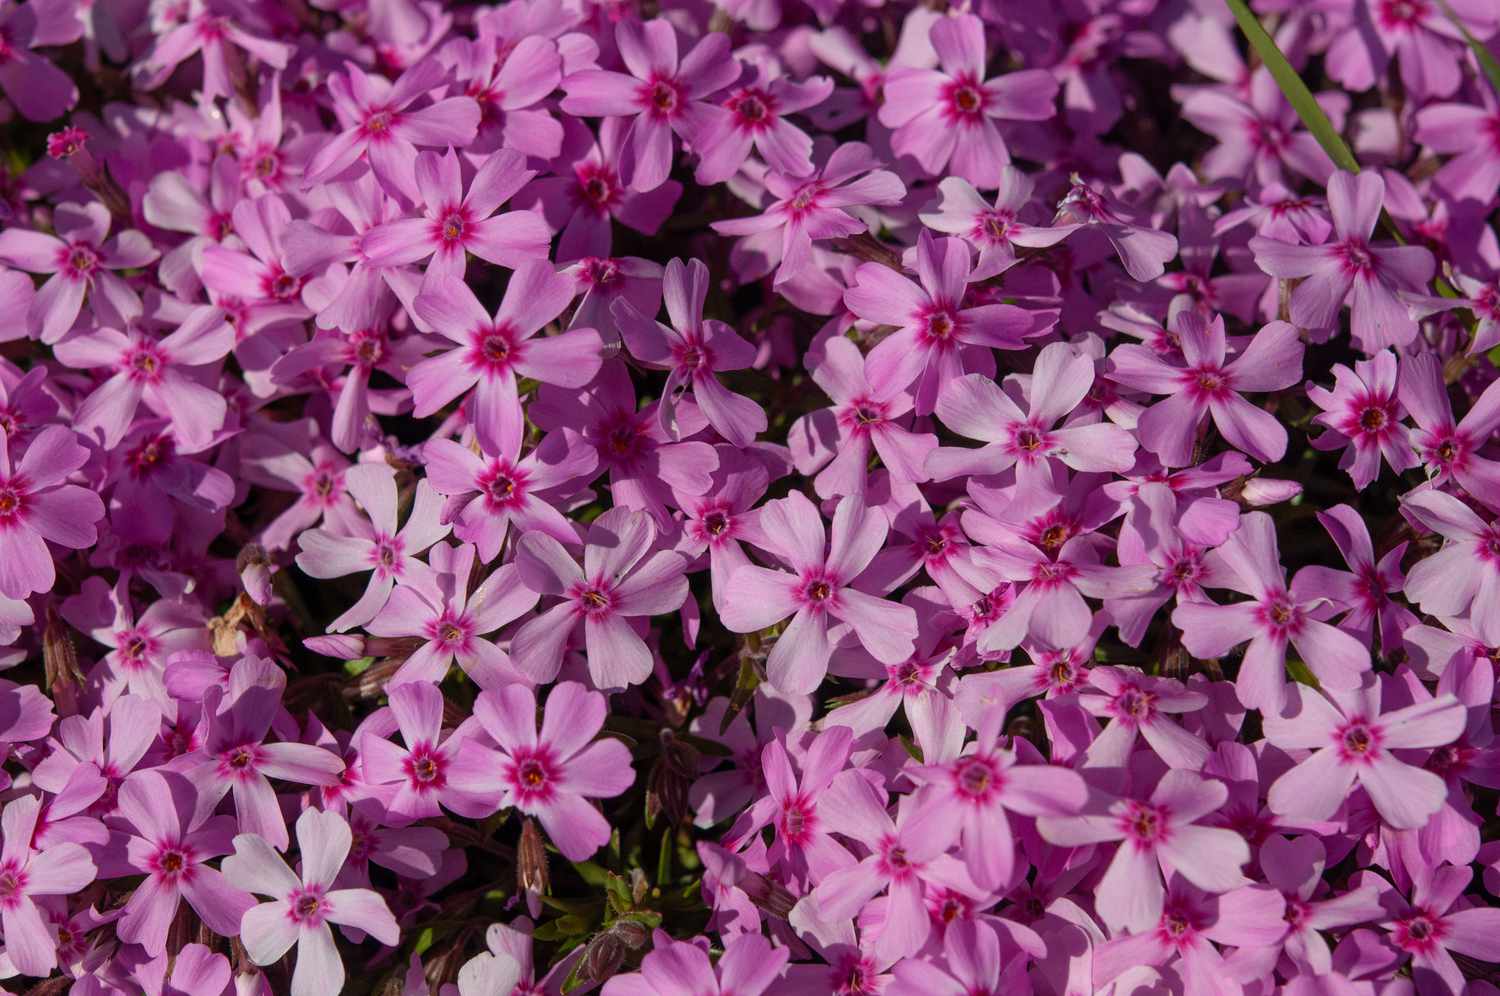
(744, 497)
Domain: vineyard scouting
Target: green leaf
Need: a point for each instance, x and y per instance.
(355, 668)
(1292, 87)
(744, 687)
(1487, 61)
(591, 873)
(563, 926)
(1301, 673)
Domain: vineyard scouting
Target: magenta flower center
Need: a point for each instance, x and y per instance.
(976, 778)
(1135, 704)
(453, 225)
(1144, 824)
(503, 485)
(1358, 742)
(753, 109)
(308, 906)
(172, 862)
(1420, 932)
(597, 272)
(965, 100)
(1355, 257)
(239, 762)
(1280, 615)
(662, 96)
(798, 820)
(939, 324)
(144, 363)
(12, 884)
(532, 775)
(12, 501)
(424, 768)
(1402, 14)
(378, 123)
(598, 186)
(79, 261)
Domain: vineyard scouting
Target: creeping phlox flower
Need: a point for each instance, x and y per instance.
(748, 499)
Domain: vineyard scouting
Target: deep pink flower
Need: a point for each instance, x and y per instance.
(455, 772)
(452, 623)
(374, 544)
(755, 114)
(976, 407)
(1158, 836)
(455, 222)
(750, 966)
(25, 872)
(939, 338)
(215, 33)
(1363, 413)
(1451, 450)
(552, 773)
(1463, 578)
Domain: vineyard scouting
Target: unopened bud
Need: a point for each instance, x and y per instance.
(603, 957)
(254, 568)
(632, 933)
(531, 860)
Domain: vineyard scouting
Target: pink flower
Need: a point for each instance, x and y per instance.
(587, 193)
(791, 805)
(835, 442)
(487, 495)
(660, 95)
(1158, 836)
(235, 757)
(946, 118)
(1350, 268)
(1451, 451)
(217, 37)
(1471, 135)
(456, 223)
(976, 407)
(939, 339)
(1365, 589)
(1139, 706)
(1351, 741)
(621, 579)
(1273, 618)
(439, 610)
(818, 590)
(38, 89)
(301, 909)
(374, 544)
(169, 841)
(511, 83)
(693, 349)
(809, 208)
(80, 261)
(1463, 578)
(1362, 413)
(755, 113)
(456, 772)
(993, 229)
(1191, 922)
(749, 966)
(488, 353)
(60, 870)
(381, 126)
(1207, 385)
(1259, 135)
(160, 371)
(1296, 866)
(553, 773)
(1431, 931)
(37, 507)
(967, 799)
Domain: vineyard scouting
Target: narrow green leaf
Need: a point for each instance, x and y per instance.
(1301, 673)
(1292, 87)
(1487, 61)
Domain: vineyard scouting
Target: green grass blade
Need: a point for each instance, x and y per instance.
(1487, 61)
(1292, 87)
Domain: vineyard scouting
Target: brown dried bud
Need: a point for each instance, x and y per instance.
(60, 663)
(531, 860)
(768, 896)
